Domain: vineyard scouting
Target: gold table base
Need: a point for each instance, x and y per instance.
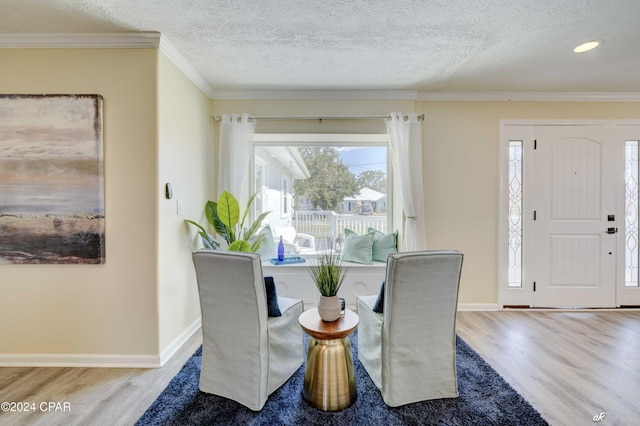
(329, 381)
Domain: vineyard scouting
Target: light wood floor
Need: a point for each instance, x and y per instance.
(570, 365)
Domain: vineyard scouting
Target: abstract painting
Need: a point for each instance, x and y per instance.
(51, 179)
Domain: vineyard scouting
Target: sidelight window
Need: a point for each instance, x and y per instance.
(515, 213)
(631, 214)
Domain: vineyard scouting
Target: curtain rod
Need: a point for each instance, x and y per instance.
(218, 118)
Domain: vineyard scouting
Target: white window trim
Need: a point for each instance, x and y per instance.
(394, 215)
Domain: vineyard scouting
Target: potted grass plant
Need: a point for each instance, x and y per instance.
(328, 274)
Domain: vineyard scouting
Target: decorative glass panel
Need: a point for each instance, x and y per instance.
(515, 213)
(631, 214)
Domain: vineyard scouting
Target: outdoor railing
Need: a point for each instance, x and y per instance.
(328, 226)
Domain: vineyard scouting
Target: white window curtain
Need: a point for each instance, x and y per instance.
(405, 146)
(236, 136)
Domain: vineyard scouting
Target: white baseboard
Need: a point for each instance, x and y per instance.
(177, 343)
(478, 307)
(96, 360)
(79, 360)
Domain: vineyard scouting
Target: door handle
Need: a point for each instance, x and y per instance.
(612, 230)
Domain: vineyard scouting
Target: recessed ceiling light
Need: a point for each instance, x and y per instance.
(585, 47)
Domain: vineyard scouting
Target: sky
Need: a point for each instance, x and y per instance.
(360, 159)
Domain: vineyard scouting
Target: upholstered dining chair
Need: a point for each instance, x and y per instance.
(409, 348)
(246, 354)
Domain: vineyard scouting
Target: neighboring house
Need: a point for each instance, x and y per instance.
(366, 196)
(276, 169)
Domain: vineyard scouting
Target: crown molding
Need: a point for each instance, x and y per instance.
(183, 65)
(427, 96)
(315, 94)
(141, 40)
(152, 39)
(531, 96)
(81, 40)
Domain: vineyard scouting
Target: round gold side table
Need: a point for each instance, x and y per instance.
(329, 381)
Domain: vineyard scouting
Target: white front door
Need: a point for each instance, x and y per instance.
(577, 175)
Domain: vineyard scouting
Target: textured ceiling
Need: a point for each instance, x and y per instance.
(429, 45)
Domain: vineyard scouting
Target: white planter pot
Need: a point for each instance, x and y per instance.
(329, 308)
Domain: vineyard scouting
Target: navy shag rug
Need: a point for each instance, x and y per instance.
(484, 398)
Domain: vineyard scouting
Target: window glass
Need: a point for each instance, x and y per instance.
(315, 189)
(631, 216)
(515, 213)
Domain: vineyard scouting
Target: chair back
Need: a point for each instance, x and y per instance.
(421, 298)
(235, 338)
(231, 288)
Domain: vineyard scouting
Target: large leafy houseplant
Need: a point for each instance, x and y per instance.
(224, 217)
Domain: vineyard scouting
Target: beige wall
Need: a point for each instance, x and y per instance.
(156, 129)
(460, 157)
(461, 175)
(185, 156)
(100, 309)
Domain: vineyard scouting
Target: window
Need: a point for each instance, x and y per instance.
(631, 214)
(515, 213)
(323, 183)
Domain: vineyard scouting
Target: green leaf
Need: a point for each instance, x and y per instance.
(207, 239)
(256, 224)
(246, 210)
(255, 245)
(228, 209)
(328, 274)
(208, 242)
(240, 245)
(196, 224)
(211, 210)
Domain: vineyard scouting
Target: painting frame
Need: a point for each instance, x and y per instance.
(51, 179)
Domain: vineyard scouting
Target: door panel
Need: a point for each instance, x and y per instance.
(575, 261)
(575, 192)
(575, 179)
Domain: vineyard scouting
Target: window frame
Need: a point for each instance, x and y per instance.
(394, 211)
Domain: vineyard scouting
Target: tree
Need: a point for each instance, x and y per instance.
(330, 180)
(374, 179)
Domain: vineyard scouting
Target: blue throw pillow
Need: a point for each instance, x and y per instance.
(357, 248)
(379, 305)
(383, 244)
(272, 297)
